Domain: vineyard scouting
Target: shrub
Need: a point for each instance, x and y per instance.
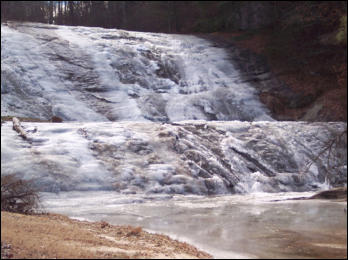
(341, 35)
(18, 195)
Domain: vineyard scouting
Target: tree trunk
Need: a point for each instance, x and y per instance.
(18, 128)
(50, 19)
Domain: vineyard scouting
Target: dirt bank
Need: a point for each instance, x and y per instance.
(57, 236)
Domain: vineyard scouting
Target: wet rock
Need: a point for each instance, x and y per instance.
(56, 119)
(139, 147)
(333, 194)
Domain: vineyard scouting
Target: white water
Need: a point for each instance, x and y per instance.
(95, 74)
(139, 172)
(185, 158)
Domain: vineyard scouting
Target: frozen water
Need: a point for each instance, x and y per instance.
(190, 157)
(95, 74)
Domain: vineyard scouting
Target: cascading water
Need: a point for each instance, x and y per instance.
(94, 74)
(184, 158)
(182, 123)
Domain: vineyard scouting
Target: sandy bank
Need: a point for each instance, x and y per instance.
(57, 236)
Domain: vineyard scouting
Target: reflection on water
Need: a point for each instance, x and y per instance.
(234, 226)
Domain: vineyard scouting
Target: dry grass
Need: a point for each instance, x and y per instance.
(57, 236)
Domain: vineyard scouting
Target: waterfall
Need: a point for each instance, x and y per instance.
(152, 124)
(94, 74)
(190, 157)
(148, 112)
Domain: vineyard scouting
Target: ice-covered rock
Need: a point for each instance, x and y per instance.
(189, 157)
(95, 74)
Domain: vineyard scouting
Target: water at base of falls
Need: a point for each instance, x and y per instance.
(232, 226)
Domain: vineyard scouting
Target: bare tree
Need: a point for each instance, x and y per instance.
(18, 195)
(50, 12)
(331, 151)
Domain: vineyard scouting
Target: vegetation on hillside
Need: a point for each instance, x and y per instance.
(179, 16)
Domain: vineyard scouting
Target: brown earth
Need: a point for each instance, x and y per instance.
(57, 236)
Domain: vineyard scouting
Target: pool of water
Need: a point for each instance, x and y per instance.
(257, 225)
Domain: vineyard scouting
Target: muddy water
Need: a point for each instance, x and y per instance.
(258, 225)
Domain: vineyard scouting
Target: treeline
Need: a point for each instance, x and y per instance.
(161, 16)
(166, 16)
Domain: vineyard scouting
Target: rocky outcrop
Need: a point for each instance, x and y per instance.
(284, 100)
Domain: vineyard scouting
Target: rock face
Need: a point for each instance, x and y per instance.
(285, 102)
(193, 157)
(274, 93)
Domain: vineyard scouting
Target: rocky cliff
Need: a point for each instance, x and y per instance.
(313, 89)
